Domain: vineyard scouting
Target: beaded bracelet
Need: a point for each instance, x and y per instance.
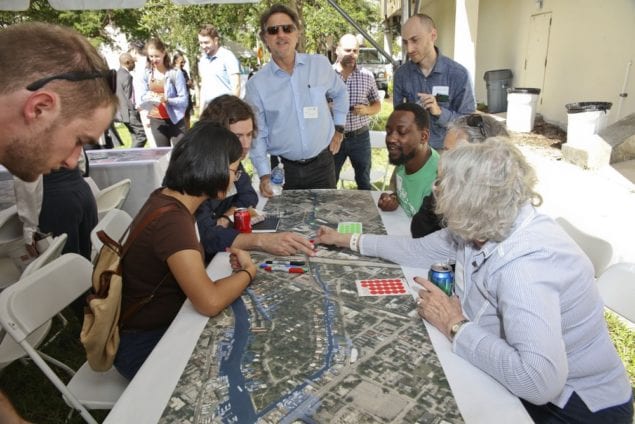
(354, 242)
(251, 278)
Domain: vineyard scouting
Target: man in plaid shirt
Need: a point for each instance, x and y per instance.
(364, 102)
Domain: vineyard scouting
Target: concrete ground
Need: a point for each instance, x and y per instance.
(599, 202)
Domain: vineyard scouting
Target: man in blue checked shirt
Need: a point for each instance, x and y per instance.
(289, 96)
(439, 84)
(364, 102)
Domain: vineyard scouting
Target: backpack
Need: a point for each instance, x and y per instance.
(103, 315)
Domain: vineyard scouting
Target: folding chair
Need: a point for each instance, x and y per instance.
(377, 141)
(617, 289)
(34, 300)
(112, 197)
(598, 250)
(114, 223)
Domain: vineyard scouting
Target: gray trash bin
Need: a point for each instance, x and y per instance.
(497, 82)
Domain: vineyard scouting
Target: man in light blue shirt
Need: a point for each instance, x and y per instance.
(218, 67)
(289, 97)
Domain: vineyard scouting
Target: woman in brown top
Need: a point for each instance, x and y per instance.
(166, 259)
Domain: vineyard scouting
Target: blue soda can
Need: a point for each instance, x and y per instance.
(442, 276)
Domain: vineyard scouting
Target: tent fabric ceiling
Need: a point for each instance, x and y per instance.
(21, 5)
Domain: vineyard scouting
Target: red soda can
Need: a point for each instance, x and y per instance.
(242, 220)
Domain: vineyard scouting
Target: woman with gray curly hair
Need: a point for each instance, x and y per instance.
(472, 128)
(525, 308)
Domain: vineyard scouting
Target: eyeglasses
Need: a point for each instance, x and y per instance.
(476, 121)
(110, 76)
(287, 29)
(237, 173)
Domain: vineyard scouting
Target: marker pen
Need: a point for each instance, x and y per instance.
(288, 263)
(290, 270)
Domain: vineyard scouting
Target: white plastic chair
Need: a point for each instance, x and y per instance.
(114, 223)
(112, 197)
(10, 225)
(598, 250)
(94, 188)
(9, 349)
(617, 289)
(34, 300)
(377, 141)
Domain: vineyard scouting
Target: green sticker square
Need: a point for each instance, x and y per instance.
(349, 227)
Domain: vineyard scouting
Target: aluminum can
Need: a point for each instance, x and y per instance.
(242, 220)
(442, 276)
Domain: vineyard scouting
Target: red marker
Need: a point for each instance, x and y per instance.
(290, 270)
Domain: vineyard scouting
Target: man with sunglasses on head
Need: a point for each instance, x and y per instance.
(289, 96)
(439, 84)
(364, 102)
(218, 67)
(57, 98)
(53, 101)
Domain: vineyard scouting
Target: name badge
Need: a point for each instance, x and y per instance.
(441, 92)
(310, 112)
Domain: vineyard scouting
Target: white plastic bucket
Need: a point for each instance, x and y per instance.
(585, 119)
(521, 108)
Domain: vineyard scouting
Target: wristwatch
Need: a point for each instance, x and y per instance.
(339, 129)
(456, 327)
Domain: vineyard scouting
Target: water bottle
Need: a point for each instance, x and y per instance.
(277, 179)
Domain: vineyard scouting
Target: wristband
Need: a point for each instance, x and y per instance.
(251, 278)
(354, 242)
(224, 216)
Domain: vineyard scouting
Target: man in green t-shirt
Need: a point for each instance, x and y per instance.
(407, 134)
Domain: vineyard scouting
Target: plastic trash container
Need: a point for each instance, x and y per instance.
(521, 108)
(586, 118)
(497, 82)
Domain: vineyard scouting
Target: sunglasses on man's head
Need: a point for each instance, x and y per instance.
(110, 77)
(476, 121)
(287, 29)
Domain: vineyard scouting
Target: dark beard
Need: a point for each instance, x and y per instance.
(402, 159)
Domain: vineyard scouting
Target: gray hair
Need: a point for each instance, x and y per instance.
(482, 188)
(490, 126)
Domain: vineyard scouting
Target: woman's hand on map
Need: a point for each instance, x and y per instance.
(240, 259)
(327, 235)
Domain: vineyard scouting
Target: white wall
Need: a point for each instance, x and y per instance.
(590, 44)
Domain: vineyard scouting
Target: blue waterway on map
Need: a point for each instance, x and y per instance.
(239, 398)
(294, 401)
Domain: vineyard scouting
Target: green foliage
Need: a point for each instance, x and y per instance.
(624, 340)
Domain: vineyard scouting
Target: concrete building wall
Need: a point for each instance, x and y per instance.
(590, 45)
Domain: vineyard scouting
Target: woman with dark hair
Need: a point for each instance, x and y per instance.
(165, 92)
(178, 62)
(165, 262)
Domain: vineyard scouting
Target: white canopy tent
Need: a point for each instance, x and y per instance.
(19, 5)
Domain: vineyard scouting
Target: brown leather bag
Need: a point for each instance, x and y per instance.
(102, 317)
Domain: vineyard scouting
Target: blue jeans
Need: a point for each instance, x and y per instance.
(134, 349)
(576, 411)
(357, 148)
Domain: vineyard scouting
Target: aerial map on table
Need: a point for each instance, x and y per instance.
(306, 348)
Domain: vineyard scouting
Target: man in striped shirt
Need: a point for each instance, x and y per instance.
(364, 102)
